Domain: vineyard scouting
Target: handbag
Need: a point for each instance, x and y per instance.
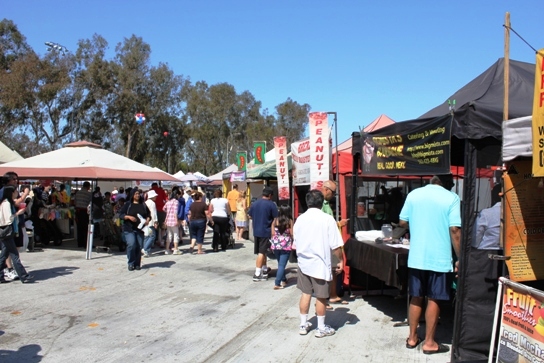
(293, 256)
(6, 231)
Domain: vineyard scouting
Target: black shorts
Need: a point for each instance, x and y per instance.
(161, 217)
(261, 245)
(434, 285)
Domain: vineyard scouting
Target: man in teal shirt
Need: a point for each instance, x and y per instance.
(433, 215)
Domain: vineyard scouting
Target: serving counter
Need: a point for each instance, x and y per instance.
(384, 262)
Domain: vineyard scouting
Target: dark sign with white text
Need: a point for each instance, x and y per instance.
(419, 147)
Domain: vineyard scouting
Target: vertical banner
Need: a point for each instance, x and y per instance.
(521, 333)
(241, 160)
(282, 170)
(259, 148)
(319, 149)
(300, 168)
(538, 116)
(523, 226)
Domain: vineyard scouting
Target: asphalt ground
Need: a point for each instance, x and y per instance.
(188, 308)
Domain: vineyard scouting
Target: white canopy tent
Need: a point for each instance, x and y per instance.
(7, 155)
(83, 160)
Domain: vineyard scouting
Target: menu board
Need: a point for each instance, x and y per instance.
(521, 338)
(523, 222)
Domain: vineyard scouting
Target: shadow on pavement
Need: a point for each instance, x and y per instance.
(42, 275)
(341, 316)
(398, 311)
(163, 264)
(27, 353)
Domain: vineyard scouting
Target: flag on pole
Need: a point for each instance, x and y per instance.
(319, 149)
(241, 160)
(282, 170)
(259, 148)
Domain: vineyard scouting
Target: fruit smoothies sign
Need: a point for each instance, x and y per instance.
(319, 149)
(538, 116)
(282, 171)
(521, 330)
(523, 222)
(419, 147)
(300, 171)
(259, 148)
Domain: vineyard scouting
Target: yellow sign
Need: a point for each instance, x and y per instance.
(523, 223)
(538, 116)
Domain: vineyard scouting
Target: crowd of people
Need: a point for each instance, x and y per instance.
(142, 219)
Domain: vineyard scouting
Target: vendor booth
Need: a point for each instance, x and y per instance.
(82, 161)
(447, 137)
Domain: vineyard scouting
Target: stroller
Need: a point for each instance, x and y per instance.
(231, 227)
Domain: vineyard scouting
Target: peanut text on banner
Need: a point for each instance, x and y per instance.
(282, 170)
(538, 116)
(319, 149)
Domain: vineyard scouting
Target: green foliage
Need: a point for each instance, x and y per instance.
(47, 101)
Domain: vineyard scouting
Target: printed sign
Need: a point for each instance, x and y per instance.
(538, 116)
(238, 176)
(523, 223)
(259, 151)
(319, 149)
(420, 147)
(300, 168)
(241, 160)
(282, 170)
(521, 332)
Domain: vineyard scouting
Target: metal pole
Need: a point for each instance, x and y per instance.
(337, 176)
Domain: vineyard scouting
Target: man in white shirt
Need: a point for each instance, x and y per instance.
(316, 236)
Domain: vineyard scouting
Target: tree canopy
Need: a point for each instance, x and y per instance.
(49, 100)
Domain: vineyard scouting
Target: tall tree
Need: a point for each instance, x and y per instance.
(291, 120)
(130, 95)
(92, 88)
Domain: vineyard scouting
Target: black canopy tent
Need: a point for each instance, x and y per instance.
(475, 142)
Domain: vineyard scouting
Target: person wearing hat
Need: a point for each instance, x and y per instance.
(149, 238)
(433, 214)
(262, 212)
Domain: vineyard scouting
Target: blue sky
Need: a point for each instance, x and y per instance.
(360, 59)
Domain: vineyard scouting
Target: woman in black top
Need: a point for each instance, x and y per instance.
(198, 214)
(135, 215)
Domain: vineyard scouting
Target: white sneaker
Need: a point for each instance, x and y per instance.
(176, 252)
(11, 275)
(167, 252)
(325, 332)
(304, 329)
(145, 254)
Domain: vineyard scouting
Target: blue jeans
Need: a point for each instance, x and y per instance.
(149, 240)
(282, 257)
(135, 243)
(197, 229)
(9, 249)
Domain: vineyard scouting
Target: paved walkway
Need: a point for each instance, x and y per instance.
(187, 308)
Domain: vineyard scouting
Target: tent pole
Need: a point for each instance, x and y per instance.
(506, 64)
(337, 177)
